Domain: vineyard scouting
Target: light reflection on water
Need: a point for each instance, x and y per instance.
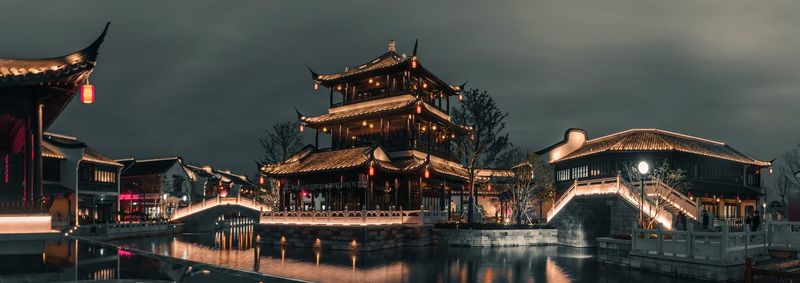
(234, 248)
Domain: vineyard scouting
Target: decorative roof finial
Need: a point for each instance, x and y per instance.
(392, 46)
(414, 53)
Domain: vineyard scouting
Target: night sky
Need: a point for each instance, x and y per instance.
(203, 80)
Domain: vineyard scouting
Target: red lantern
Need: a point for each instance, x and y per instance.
(419, 109)
(472, 137)
(371, 169)
(316, 86)
(427, 173)
(414, 63)
(490, 186)
(302, 128)
(87, 93)
(261, 180)
(460, 97)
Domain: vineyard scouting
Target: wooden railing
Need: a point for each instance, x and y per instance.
(355, 217)
(22, 207)
(721, 247)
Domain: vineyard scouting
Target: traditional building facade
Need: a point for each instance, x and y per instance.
(391, 139)
(155, 188)
(72, 168)
(723, 181)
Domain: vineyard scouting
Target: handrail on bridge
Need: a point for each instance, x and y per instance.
(204, 205)
(613, 185)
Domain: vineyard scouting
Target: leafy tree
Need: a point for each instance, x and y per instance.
(486, 143)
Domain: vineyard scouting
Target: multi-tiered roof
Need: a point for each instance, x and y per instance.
(393, 114)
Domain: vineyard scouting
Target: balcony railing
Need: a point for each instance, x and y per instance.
(357, 217)
(381, 95)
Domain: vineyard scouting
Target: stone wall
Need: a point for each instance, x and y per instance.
(618, 252)
(363, 238)
(623, 215)
(688, 268)
(495, 238)
(614, 251)
(583, 220)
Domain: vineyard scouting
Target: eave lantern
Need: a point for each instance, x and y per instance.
(87, 92)
(372, 168)
(316, 86)
(261, 179)
(427, 172)
(419, 108)
(414, 63)
(302, 127)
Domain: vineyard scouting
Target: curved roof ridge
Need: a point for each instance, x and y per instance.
(87, 54)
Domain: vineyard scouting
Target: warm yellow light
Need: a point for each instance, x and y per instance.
(364, 123)
(370, 80)
(434, 127)
(371, 126)
(87, 94)
(424, 85)
(324, 129)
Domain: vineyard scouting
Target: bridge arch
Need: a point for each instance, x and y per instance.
(200, 217)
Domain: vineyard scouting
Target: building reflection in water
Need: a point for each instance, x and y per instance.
(235, 248)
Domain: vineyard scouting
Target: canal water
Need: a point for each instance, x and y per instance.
(234, 248)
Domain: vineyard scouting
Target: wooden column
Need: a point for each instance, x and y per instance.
(409, 204)
(37, 151)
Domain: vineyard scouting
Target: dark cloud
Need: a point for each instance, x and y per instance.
(203, 80)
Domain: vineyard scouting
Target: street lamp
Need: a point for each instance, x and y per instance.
(643, 169)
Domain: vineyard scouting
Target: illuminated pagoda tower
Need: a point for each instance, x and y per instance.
(392, 141)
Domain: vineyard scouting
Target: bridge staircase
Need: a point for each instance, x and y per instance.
(655, 193)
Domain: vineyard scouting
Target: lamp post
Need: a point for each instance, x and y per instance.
(643, 169)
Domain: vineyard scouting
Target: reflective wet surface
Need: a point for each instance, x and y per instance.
(234, 248)
(64, 260)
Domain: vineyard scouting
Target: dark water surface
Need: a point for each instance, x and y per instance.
(67, 260)
(235, 248)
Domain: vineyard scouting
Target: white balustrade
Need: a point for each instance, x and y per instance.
(359, 217)
(783, 235)
(719, 247)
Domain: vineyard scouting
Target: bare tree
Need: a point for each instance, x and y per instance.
(789, 173)
(663, 186)
(531, 185)
(486, 142)
(280, 142)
